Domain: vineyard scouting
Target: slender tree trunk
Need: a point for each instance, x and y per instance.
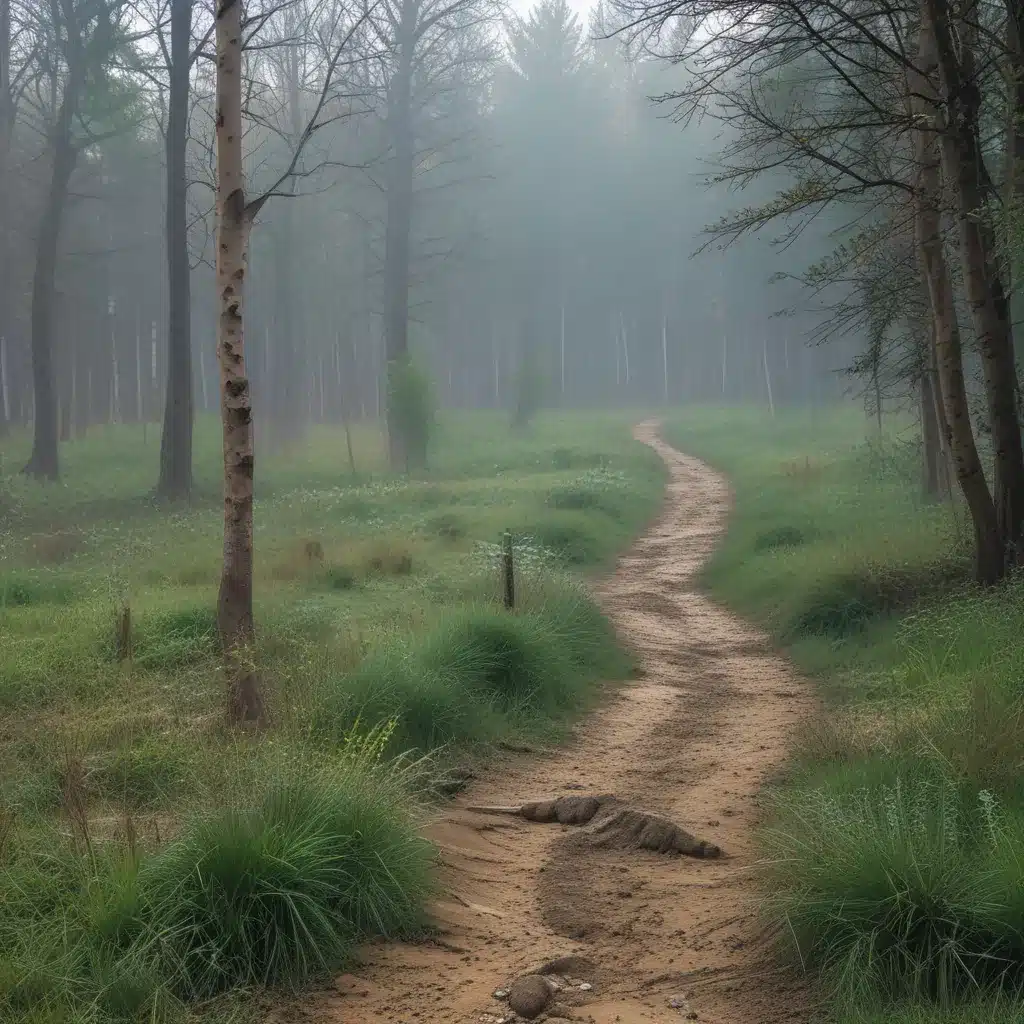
(6, 135)
(43, 462)
(175, 479)
(963, 163)
(234, 612)
(399, 220)
(989, 554)
(768, 380)
(1015, 147)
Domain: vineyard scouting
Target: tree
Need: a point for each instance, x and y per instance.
(81, 39)
(430, 44)
(235, 217)
(175, 480)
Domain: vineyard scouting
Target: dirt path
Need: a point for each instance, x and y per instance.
(670, 938)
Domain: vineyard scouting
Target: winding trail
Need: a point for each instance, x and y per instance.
(669, 938)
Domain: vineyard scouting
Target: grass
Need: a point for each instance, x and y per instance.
(156, 866)
(895, 843)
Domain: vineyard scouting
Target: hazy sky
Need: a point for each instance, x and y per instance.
(581, 7)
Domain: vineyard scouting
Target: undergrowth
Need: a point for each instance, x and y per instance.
(157, 867)
(894, 849)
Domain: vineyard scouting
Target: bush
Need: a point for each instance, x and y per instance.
(411, 409)
(901, 891)
(430, 709)
(282, 892)
(571, 536)
(513, 660)
(480, 672)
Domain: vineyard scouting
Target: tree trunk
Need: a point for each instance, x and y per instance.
(6, 134)
(963, 163)
(399, 220)
(234, 612)
(989, 560)
(43, 462)
(930, 442)
(1015, 147)
(176, 439)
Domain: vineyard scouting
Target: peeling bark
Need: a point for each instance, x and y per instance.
(234, 612)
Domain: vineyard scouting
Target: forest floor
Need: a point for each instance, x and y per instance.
(657, 938)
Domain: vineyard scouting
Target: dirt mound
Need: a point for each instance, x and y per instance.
(611, 824)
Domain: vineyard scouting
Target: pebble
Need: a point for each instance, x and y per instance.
(586, 987)
(501, 993)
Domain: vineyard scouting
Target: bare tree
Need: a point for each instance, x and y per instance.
(79, 37)
(235, 218)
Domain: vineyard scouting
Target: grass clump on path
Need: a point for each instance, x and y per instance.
(895, 842)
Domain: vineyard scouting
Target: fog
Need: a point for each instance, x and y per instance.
(557, 216)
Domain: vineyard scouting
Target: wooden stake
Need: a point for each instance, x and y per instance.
(509, 571)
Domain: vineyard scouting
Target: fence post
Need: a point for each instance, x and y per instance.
(509, 571)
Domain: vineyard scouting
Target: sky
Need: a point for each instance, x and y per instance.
(581, 7)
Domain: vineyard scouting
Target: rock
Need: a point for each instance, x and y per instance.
(501, 993)
(586, 987)
(678, 1003)
(529, 995)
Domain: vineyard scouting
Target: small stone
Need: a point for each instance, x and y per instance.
(678, 1003)
(586, 987)
(692, 1015)
(501, 993)
(529, 996)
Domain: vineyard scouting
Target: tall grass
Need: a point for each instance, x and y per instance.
(895, 844)
(151, 858)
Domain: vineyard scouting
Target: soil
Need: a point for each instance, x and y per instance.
(649, 936)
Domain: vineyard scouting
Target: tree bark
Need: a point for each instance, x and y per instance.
(399, 219)
(989, 560)
(175, 479)
(963, 163)
(234, 612)
(43, 462)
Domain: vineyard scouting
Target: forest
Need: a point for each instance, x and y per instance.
(408, 406)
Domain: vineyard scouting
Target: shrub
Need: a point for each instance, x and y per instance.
(902, 891)
(430, 709)
(282, 892)
(513, 660)
(411, 408)
(571, 536)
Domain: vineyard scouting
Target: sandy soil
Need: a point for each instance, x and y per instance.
(668, 938)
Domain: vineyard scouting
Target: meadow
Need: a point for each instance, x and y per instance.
(156, 865)
(894, 849)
